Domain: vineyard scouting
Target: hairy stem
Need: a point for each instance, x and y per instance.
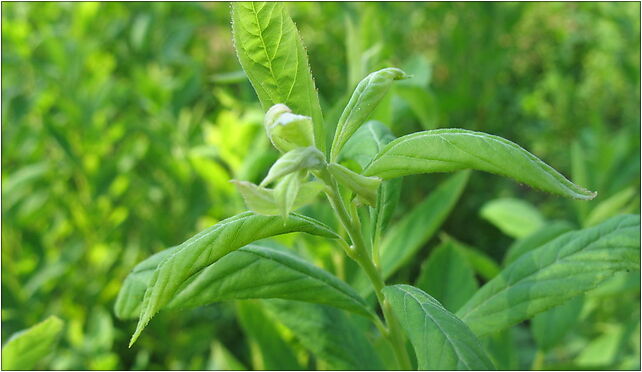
(359, 253)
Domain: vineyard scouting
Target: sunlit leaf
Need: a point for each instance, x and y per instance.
(514, 217)
(208, 246)
(254, 271)
(270, 50)
(25, 349)
(364, 100)
(447, 150)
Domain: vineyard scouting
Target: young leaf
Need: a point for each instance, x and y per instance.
(364, 100)
(365, 187)
(553, 273)
(258, 199)
(262, 201)
(362, 147)
(285, 193)
(540, 237)
(447, 150)
(270, 50)
(288, 131)
(254, 271)
(366, 143)
(208, 246)
(441, 341)
(447, 276)
(269, 349)
(295, 160)
(26, 348)
(330, 334)
(514, 217)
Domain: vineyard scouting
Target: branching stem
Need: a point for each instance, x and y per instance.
(359, 253)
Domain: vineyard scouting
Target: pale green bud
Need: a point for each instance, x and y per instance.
(286, 130)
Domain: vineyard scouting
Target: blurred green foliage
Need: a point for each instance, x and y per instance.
(122, 124)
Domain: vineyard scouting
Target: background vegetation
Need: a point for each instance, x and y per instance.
(122, 124)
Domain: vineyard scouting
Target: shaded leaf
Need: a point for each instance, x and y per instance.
(366, 142)
(448, 277)
(550, 327)
(540, 237)
(553, 273)
(268, 348)
(441, 341)
(328, 333)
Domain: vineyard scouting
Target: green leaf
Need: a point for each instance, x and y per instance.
(257, 199)
(208, 246)
(447, 150)
(405, 238)
(441, 341)
(302, 158)
(553, 273)
(328, 333)
(251, 272)
(270, 50)
(362, 147)
(288, 131)
(365, 187)
(262, 200)
(610, 207)
(550, 327)
(286, 191)
(366, 143)
(483, 265)
(26, 348)
(514, 217)
(268, 348)
(448, 277)
(221, 359)
(540, 237)
(364, 100)
(422, 103)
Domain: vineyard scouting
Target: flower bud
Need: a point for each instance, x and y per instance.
(288, 131)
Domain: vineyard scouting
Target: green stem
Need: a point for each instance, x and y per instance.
(359, 253)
